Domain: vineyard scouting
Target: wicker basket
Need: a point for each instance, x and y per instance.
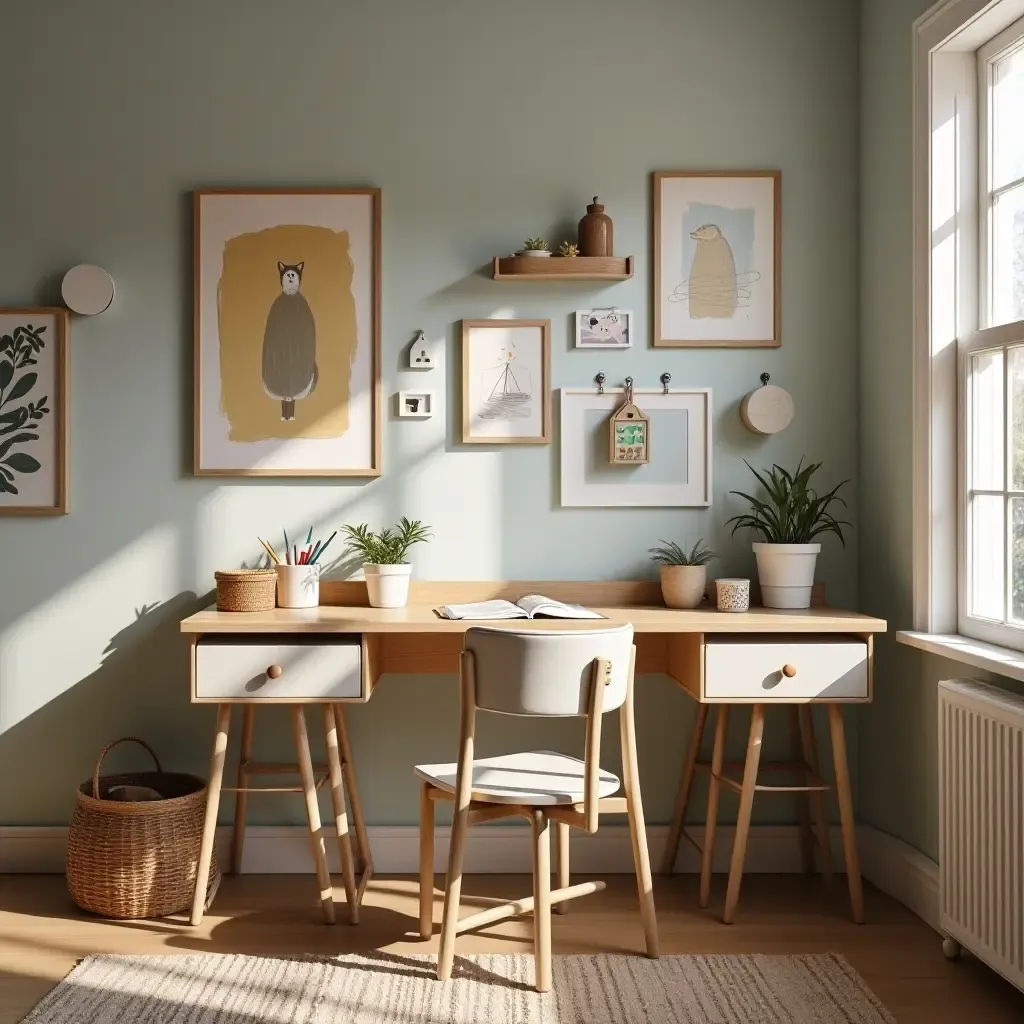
(137, 859)
(246, 590)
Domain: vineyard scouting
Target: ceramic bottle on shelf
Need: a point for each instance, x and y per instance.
(595, 232)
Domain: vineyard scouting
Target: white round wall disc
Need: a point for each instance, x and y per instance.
(767, 410)
(87, 289)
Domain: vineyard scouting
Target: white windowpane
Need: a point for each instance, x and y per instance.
(1008, 119)
(1017, 559)
(1016, 371)
(987, 541)
(988, 421)
(1008, 257)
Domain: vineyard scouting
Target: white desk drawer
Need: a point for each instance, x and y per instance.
(786, 670)
(237, 668)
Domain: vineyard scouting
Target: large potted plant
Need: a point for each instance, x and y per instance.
(684, 575)
(384, 565)
(793, 514)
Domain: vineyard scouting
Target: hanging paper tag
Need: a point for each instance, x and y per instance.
(630, 434)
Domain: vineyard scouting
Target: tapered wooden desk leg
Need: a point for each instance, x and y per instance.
(354, 801)
(426, 862)
(220, 747)
(675, 833)
(242, 797)
(739, 848)
(803, 800)
(542, 900)
(714, 788)
(316, 832)
(348, 874)
(818, 812)
(562, 835)
(846, 818)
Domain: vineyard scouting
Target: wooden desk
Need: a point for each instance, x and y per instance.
(717, 657)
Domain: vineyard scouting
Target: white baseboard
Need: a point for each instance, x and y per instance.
(893, 866)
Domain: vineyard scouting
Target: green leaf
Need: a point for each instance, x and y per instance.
(6, 373)
(22, 387)
(22, 462)
(10, 442)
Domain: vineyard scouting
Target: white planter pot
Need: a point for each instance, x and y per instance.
(534, 253)
(786, 574)
(298, 586)
(387, 585)
(682, 586)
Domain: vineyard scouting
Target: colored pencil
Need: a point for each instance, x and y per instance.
(316, 548)
(324, 548)
(287, 546)
(270, 551)
(295, 550)
(306, 554)
(309, 536)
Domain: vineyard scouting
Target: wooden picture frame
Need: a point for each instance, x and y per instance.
(723, 289)
(506, 381)
(252, 415)
(34, 432)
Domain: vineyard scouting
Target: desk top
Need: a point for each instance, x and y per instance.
(620, 602)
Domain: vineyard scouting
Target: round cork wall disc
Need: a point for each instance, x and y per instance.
(767, 410)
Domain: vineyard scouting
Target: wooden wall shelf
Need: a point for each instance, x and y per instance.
(562, 268)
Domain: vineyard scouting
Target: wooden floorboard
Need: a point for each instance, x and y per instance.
(42, 934)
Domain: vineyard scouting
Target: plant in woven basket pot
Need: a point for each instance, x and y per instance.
(384, 566)
(683, 573)
(788, 520)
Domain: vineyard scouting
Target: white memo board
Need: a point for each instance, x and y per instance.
(679, 471)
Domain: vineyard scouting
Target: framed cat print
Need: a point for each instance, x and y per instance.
(33, 411)
(717, 252)
(287, 332)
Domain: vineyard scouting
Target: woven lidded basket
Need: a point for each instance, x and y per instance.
(132, 859)
(246, 590)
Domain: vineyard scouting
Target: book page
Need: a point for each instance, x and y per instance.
(482, 610)
(536, 604)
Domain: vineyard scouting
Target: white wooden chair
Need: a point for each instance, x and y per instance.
(583, 674)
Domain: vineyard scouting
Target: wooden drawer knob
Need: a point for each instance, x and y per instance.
(275, 672)
(789, 671)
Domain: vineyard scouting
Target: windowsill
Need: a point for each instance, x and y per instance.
(1003, 661)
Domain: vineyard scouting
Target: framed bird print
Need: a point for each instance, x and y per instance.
(717, 253)
(287, 332)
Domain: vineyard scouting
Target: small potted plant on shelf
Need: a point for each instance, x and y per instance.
(787, 522)
(683, 574)
(384, 565)
(568, 249)
(534, 247)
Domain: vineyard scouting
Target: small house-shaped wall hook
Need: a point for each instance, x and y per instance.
(629, 433)
(421, 353)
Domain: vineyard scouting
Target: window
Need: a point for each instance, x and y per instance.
(991, 591)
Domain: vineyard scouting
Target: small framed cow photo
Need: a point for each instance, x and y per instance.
(604, 328)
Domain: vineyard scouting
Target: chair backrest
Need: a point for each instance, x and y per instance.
(549, 672)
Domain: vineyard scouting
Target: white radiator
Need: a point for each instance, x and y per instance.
(981, 823)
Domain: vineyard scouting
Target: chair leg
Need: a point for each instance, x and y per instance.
(846, 818)
(542, 899)
(675, 833)
(803, 800)
(739, 849)
(562, 835)
(316, 832)
(348, 873)
(818, 814)
(714, 789)
(426, 862)
(452, 893)
(220, 747)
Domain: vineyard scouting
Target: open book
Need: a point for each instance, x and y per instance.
(530, 607)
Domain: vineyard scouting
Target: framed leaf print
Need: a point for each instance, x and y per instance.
(717, 253)
(287, 332)
(33, 411)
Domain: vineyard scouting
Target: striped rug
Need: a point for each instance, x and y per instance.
(377, 987)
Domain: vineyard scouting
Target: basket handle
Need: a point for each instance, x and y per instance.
(107, 749)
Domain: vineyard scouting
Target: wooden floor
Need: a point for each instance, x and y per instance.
(42, 934)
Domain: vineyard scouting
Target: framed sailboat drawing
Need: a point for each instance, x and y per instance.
(287, 332)
(506, 381)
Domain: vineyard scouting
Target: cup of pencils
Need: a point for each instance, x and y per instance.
(298, 573)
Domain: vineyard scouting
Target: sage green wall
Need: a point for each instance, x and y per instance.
(482, 123)
(898, 748)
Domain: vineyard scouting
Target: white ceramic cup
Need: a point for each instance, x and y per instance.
(298, 586)
(733, 595)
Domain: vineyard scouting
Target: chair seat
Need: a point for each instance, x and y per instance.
(539, 778)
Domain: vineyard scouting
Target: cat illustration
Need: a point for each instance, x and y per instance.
(289, 344)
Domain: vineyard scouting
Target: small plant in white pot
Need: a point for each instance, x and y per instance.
(684, 575)
(788, 521)
(384, 566)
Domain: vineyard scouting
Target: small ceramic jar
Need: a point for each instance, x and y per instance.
(733, 595)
